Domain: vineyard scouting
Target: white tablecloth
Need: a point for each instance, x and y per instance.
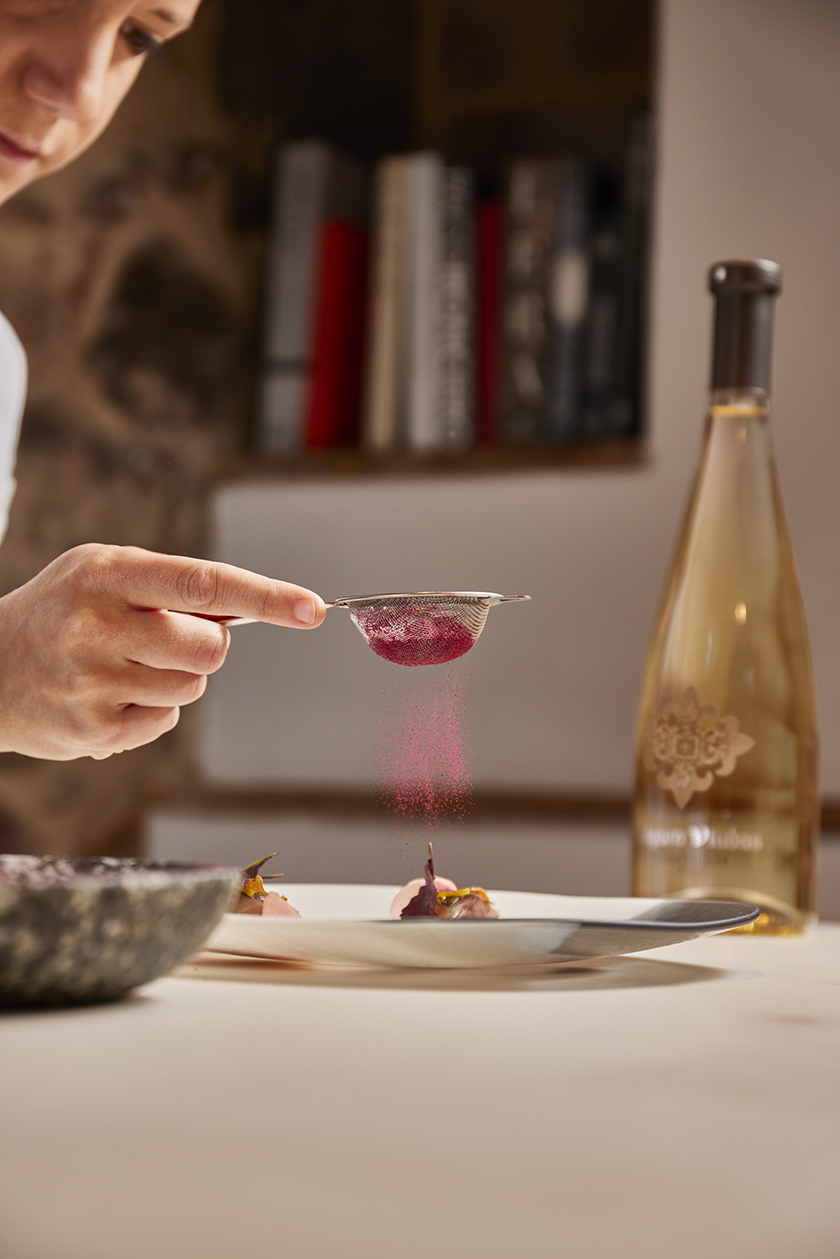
(682, 1103)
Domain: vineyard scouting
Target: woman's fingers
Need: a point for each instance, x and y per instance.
(98, 652)
(146, 580)
(172, 640)
(131, 727)
(155, 688)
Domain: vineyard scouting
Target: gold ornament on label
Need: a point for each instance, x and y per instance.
(686, 744)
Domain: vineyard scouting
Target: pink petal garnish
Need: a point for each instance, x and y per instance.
(408, 893)
(275, 906)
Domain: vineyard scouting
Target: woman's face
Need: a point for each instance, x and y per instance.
(65, 65)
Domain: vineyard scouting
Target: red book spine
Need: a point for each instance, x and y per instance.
(336, 382)
(489, 240)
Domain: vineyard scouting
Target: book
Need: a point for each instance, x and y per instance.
(533, 191)
(315, 184)
(568, 304)
(382, 409)
(605, 298)
(624, 410)
(456, 383)
(419, 394)
(423, 262)
(489, 289)
(618, 253)
(300, 190)
(336, 379)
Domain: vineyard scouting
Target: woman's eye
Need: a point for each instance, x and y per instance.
(139, 42)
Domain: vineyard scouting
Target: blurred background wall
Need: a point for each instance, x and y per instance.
(748, 101)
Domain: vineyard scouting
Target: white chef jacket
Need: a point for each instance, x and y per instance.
(12, 396)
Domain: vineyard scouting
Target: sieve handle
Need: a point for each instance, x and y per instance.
(230, 621)
(227, 621)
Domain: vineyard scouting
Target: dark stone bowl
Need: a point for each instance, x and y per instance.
(88, 929)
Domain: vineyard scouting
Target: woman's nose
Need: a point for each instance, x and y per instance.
(69, 78)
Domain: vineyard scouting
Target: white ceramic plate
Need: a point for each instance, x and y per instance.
(348, 924)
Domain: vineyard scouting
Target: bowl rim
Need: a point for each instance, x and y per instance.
(107, 871)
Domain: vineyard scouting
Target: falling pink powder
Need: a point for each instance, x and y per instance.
(413, 636)
(422, 753)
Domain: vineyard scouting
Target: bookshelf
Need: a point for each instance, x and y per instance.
(497, 77)
(480, 461)
(485, 84)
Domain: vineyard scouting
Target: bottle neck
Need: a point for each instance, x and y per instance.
(737, 435)
(735, 496)
(739, 403)
(743, 337)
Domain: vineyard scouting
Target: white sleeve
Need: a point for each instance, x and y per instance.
(12, 397)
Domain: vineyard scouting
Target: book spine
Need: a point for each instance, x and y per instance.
(532, 222)
(624, 412)
(456, 398)
(489, 281)
(302, 172)
(568, 306)
(334, 400)
(384, 365)
(422, 301)
(605, 298)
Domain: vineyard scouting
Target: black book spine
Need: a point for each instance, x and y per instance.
(605, 302)
(568, 305)
(624, 409)
(531, 227)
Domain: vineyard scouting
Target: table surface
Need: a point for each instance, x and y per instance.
(681, 1103)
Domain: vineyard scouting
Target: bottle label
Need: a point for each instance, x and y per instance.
(729, 840)
(686, 744)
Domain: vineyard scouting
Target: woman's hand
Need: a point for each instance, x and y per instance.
(95, 658)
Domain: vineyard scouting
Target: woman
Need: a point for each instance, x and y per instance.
(94, 658)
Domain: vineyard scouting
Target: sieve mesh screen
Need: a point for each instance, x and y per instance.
(422, 628)
(414, 635)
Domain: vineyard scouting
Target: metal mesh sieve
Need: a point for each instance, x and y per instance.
(422, 627)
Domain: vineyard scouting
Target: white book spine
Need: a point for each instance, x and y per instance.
(423, 301)
(381, 412)
(302, 174)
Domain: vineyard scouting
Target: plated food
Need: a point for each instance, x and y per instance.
(430, 922)
(350, 925)
(254, 898)
(429, 897)
(432, 897)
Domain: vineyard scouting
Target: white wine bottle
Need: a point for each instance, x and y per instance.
(727, 801)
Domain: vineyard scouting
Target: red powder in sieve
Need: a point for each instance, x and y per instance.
(414, 636)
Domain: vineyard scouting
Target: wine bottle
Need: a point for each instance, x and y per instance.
(727, 802)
